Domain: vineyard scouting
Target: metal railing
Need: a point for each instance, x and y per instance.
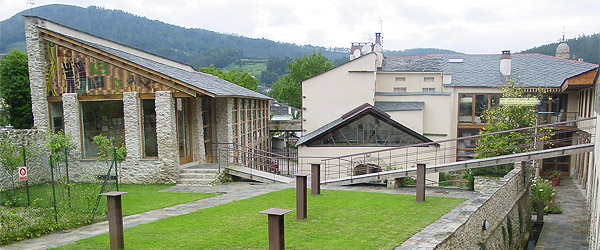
(533, 138)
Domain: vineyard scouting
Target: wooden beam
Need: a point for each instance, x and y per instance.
(99, 97)
(119, 62)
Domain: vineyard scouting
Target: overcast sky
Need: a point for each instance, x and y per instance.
(478, 26)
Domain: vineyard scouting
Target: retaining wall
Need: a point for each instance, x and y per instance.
(506, 207)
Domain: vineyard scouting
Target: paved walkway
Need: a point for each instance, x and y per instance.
(231, 192)
(568, 230)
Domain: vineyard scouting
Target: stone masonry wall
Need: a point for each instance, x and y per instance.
(223, 110)
(166, 132)
(38, 170)
(37, 76)
(506, 208)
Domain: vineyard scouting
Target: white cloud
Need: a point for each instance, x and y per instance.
(462, 25)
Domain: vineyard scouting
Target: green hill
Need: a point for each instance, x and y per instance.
(584, 46)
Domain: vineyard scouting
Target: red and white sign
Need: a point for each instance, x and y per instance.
(22, 173)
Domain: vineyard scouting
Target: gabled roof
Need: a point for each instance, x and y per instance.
(186, 74)
(355, 114)
(529, 70)
(280, 109)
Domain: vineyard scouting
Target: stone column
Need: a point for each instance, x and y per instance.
(129, 171)
(71, 118)
(133, 128)
(198, 131)
(166, 134)
(37, 72)
(224, 121)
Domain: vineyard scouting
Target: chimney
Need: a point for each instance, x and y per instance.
(505, 63)
(378, 49)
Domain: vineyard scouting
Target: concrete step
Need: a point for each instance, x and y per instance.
(211, 176)
(199, 174)
(194, 182)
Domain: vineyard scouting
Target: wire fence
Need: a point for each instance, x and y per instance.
(48, 193)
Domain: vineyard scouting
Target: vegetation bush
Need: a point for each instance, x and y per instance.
(542, 190)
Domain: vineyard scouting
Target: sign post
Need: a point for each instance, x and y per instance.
(22, 174)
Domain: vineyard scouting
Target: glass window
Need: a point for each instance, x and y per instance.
(149, 123)
(481, 104)
(56, 116)
(101, 118)
(466, 109)
(366, 131)
(428, 89)
(400, 79)
(399, 89)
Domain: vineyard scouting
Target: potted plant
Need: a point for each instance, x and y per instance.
(555, 178)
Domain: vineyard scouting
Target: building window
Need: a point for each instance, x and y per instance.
(399, 89)
(428, 89)
(56, 116)
(101, 118)
(400, 79)
(472, 106)
(149, 128)
(428, 79)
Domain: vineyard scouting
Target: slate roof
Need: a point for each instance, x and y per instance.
(399, 106)
(280, 109)
(529, 70)
(206, 82)
(349, 116)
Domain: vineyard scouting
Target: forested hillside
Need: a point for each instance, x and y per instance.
(584, 46)
(197, 47)
(263, 58)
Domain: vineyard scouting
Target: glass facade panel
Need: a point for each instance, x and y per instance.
(149, 128)
(101, 118)
(56, 116)
(366, 131)
(466, 108)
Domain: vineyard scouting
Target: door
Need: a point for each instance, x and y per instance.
(184, 131)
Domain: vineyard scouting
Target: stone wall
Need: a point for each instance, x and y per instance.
(37, 76)
(506, 208)
(37, 157)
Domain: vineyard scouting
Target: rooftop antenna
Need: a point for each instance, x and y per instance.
(563, 33)
(31, 3)
(380, 22)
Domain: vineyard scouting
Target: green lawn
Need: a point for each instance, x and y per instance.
(142, 198)
(336, 220)
(22, 222)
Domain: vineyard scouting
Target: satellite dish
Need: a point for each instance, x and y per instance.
(366, 49)
(356, 53)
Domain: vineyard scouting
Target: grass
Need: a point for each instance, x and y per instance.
(19, 222)
(336, 220)
(252, 66)
(142, 198)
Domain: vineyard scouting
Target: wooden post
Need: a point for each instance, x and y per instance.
(115, 220)
(301, 198)
(276, 227)
(540, 211)
(315, 179)
(420, 182)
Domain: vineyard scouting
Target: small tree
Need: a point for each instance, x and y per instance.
(240, 78)
(14, 89)
(57, 143)
(107, 149)
(507, 117)
(11, 157)
(287, 89)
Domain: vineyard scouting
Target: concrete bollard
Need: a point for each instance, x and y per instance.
(420, 182)
(315, 179)
(115, 219)
(276, 227)
(301, 198)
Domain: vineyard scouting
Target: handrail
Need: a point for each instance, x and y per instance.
(459, 138)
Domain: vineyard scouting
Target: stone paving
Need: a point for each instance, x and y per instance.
(568, 230)
(231, 192)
